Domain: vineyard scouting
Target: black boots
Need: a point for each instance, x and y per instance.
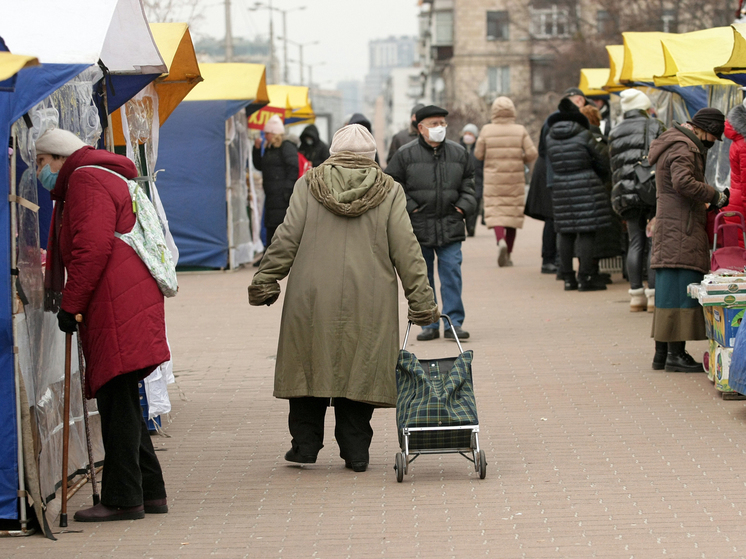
(591, 283)
(659, 359)
(571, 283)
(678, 360)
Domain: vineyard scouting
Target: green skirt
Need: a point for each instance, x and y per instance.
(677, 316)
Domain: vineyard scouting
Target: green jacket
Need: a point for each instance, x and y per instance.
(339, 335)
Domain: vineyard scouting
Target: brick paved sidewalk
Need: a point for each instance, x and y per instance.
(591, 453)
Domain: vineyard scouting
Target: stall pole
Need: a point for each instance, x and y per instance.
(229, 203)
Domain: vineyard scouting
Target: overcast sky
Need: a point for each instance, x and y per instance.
(342, 27)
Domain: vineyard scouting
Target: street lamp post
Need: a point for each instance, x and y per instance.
(259, 6)
(300, 53)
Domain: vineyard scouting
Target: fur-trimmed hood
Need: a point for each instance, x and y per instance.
(736, 123)
(568, 112)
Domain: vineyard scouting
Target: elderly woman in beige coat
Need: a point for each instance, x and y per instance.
(505, 147)
(345, 238)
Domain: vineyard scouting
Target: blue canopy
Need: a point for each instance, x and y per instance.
(192, 186)
(31, 86)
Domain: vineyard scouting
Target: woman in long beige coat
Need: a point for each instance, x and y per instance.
(345, 238)
(505, 147)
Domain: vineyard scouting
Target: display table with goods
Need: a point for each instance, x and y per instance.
(722, 295)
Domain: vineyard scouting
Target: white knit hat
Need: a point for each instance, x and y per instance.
(354, 138)
(634, 99)
(274, 125)
(58, 142)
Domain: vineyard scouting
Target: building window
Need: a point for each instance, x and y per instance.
(541, 76)
(668, 21)
(498, 80)
(605, 24)
(550, 21)
(443, 28)
(497, 26)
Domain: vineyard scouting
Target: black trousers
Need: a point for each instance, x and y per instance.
(352, 426)
(584, 248)
(131, 473)
(548, 243)
(638, 253)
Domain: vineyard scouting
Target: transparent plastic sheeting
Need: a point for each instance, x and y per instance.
(237, 140)
(41, 344)
(141, 126)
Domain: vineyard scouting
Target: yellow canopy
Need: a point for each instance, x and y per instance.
(298, 108)
(736, 64)
(616, 61)
(690, 58)
(231, 81)
(174, 42)
(643, 56)
(11, 64)
(592, 81)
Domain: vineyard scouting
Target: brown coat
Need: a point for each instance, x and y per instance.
(339, 336)
(505, 147)
(680, 234)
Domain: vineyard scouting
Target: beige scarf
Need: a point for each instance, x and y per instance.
(375, 195)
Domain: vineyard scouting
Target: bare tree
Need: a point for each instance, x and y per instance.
(165, 11)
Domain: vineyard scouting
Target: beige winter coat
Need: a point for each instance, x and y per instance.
(343, 246)
(505, 147)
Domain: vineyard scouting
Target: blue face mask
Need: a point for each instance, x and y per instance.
(47, 178)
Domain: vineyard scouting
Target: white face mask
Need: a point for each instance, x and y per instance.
(469, 139)
(437, 133)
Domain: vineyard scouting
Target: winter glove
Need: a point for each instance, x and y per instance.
(423, 318)
(67, 322)
(264, 293)
(720, 200)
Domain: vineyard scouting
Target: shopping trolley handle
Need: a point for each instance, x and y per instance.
(443, 316)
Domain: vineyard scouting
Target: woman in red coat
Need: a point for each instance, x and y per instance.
(735, 130)
(123, 329)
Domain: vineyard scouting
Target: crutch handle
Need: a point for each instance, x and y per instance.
(78, 317)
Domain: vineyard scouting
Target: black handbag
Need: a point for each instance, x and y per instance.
(645, 173)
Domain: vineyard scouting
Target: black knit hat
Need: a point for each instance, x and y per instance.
(416, 108)
(430, 110)
(710, 120)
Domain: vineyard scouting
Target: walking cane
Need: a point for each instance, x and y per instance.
(65, 429)
(91, 466)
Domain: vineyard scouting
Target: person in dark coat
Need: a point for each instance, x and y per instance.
(312, 147)
(627, 143)
(681, 253)
(277, 159)
(438, 179)
(362, 120)
(406, 135)
(577, 165)
(123, 328)
(469, 135)
(539, 199)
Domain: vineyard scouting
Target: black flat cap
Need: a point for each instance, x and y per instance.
(710, 120)
(430, 110)
(572, 91)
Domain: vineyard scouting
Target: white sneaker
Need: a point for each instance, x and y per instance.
(637, 301)
(650, 294)
(502, 253)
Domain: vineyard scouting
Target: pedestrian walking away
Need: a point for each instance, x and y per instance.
(469, 135)
(408, 134)
(123, 329)
(629, 143)
(344, 240)
(277, 159)
(577, 166)
(438, 179)
(680, 245)
(506, 149)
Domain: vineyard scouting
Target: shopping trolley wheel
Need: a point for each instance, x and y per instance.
(399, 466)
(481, 465)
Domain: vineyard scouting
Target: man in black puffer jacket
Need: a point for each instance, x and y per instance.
(438, 179)
(577, 165)
(627, 145)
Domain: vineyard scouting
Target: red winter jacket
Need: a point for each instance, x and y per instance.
(735, 130)
(124, 327)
